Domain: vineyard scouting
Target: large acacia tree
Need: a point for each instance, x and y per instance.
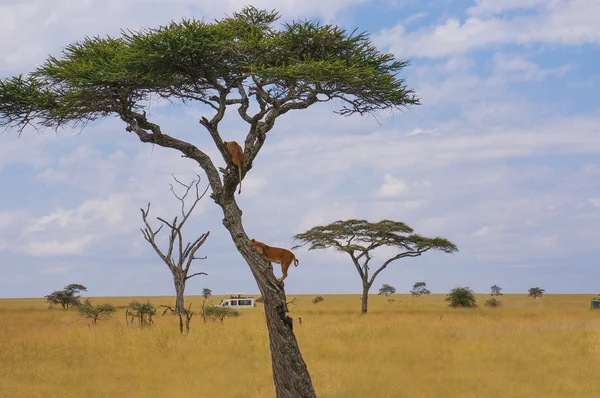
(242, 61)
(360, 238)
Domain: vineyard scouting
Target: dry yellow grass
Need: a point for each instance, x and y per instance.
(403, 349)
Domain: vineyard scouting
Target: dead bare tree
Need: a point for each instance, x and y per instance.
(179, 266)
(187, 313)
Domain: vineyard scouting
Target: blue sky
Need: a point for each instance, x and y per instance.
(502, 157)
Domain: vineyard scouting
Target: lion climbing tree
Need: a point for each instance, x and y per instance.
(236, 62)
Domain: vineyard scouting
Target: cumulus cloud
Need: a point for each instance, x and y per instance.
(552, 22)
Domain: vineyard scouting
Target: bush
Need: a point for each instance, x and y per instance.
(95, 312)
(318, 299)
(461, 297)
(144, 312)
(214, 312)
(261, 299)
(493, 303)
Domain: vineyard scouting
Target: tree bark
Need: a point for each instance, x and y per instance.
(365, 298)
(290, 373)
(179, 290)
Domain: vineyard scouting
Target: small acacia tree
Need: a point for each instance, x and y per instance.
(241, 61)
(420, 289)
(179, 265)
(461, 297)
(206, 293)
(387, 290)
(536, 292)
(95, 312)
(67, 296)
(496, 290)
(359, 238)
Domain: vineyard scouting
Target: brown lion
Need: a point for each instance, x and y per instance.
(276, 255)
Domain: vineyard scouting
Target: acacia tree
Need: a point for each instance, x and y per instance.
(419, 289)
(359, 238)
(67, 296)
(536, 292)
(387, 290)
(496, 290)
(240, 61)
(185, 255)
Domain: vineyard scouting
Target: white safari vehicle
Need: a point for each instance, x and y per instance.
(238, 300)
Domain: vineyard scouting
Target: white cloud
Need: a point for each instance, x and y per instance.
(595, 201)
(392, 187)
(565, 22)
(483, 231)
(511, 67)
(418, 131)
(57, 248)
(53, 270)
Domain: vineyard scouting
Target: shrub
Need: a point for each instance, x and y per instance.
(461, 297)
(95, 312)
(493, 303)
(215, 313)
(318, 299)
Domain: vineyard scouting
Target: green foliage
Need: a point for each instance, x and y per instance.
(318, 299)
(536, 292)
(95, 312)
(197, 60)
(206, 293)
(461, 297)
(360, 236)
(420, 289)
(496, 290)
(493, 302)
(144, 312)
(387, 290)
(67, 296)
(261, 299)
(215, 313)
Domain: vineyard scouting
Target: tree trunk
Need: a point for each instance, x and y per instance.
(290, 373)
(365, 298)
(179, 289)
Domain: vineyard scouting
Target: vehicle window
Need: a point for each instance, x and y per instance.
(233, 302)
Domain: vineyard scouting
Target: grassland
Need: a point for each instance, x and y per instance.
(403, 349)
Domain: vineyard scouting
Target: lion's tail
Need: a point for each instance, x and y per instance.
(296, 262)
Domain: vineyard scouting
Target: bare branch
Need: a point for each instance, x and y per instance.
(194, 274)
(396, 257)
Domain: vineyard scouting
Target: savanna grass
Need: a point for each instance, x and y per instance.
(408, 348)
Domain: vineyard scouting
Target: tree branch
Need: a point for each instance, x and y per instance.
(197, 273)
(401, 255)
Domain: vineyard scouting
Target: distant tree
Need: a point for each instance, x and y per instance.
(536, 292)
(318, 299)
(496, 290)
(179, 265)
(67, 296)
(206, 293)
(419, 289)
(144, 312)
(215, 313)
(261, 299)
(95, 312)
(359, 238)
(493, 302)
(461, 297)
(387, 291)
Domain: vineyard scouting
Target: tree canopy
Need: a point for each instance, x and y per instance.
(420, 289)
(359, 238)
